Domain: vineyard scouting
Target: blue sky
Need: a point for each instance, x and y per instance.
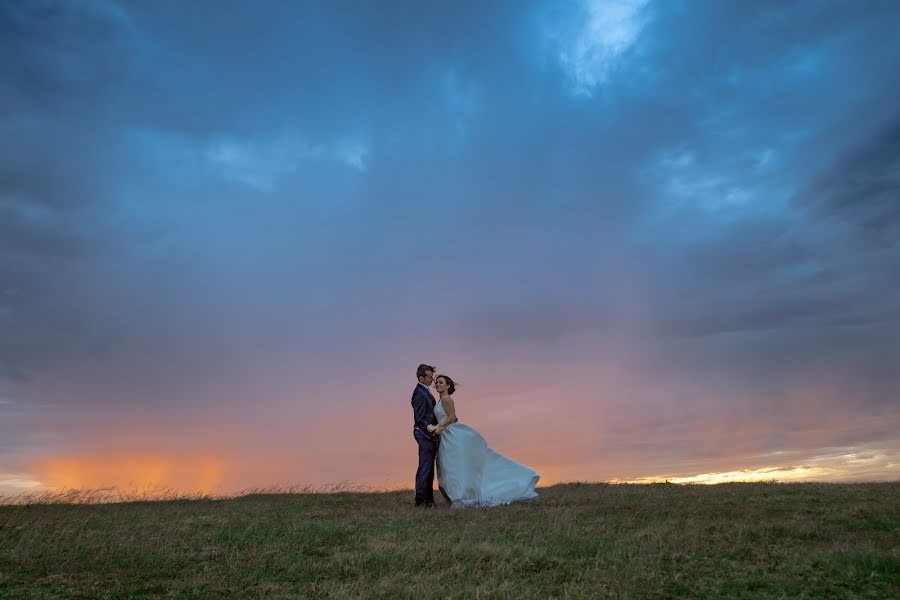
(650, 238)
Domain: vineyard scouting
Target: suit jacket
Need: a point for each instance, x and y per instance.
(423, 411)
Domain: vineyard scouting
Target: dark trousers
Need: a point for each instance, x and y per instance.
(425, 472)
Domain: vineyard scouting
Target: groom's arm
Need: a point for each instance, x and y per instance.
(420, 411)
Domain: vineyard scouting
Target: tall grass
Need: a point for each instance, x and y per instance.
(113, 495)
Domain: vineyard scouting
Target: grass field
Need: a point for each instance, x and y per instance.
(755, 540)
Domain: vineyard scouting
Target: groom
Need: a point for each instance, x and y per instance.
(423, 415)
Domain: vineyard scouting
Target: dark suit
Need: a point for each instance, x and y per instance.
(423, 416)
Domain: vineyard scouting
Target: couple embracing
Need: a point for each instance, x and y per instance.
(469, 472)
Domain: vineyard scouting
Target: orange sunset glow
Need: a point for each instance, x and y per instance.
(162, 475)
(182, 473)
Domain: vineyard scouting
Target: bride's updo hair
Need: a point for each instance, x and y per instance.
(451, 385)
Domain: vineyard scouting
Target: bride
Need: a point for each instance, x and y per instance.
(469, 472)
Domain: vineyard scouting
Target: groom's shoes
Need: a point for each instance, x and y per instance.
(425, 505)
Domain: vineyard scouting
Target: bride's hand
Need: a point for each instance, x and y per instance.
(431, 428)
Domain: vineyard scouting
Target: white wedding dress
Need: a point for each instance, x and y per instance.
(471, 474)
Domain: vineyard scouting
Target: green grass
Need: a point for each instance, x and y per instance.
(755, 540)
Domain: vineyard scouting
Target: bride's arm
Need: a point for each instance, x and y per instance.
(450, 419)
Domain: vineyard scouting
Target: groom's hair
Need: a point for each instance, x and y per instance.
(422, 369)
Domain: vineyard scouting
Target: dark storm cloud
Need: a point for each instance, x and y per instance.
(63, 66)
(863, 189)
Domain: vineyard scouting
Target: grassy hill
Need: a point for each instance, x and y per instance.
(759, 540)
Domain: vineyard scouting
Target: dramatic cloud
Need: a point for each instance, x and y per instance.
(652, 239)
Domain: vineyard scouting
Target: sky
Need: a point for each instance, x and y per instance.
(651, 239)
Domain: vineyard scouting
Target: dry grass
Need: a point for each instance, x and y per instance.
(759, 540)
(113, 495)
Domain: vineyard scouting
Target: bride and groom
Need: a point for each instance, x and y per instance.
(469, 472)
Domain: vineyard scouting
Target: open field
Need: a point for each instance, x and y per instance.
(755, 540)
